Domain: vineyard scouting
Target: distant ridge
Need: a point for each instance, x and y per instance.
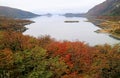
(15, 13)
(108, 7)
(74, 14)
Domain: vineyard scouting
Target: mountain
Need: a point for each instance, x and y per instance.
(74, 14)
(15, 13)
(108, 7)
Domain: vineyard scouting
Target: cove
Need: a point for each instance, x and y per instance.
(56, 27)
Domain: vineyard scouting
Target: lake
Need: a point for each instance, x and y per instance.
(58, 29)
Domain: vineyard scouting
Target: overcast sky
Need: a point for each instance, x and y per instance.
(51, 5)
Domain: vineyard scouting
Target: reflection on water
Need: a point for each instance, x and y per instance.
(58, 29)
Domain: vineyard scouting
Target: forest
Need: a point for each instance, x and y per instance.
(24, 56)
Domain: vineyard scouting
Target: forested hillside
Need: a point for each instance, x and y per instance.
(109, 7)
(23, 56)
(107, 17)
(15, 13)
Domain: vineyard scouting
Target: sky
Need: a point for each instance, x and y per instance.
(52, 5)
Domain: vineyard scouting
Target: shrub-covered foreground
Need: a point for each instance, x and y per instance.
(28, 57)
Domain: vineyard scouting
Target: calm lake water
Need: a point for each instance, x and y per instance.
(58, 29)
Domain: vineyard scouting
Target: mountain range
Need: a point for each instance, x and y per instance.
(108, 7)
(74, 15)
(15, 13)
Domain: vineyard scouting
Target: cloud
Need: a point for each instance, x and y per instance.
(50, 4)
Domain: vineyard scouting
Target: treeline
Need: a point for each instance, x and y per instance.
(23, 56)
(10, 24)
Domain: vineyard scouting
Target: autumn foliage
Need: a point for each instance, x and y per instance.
(23, 56)
(76, 55)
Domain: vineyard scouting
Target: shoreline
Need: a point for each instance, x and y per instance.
(105, 28)
(18, 25)
(115, 36)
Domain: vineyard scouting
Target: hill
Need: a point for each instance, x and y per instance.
(23, 56)
(15, 13)
(74, 14)
(108, 7)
